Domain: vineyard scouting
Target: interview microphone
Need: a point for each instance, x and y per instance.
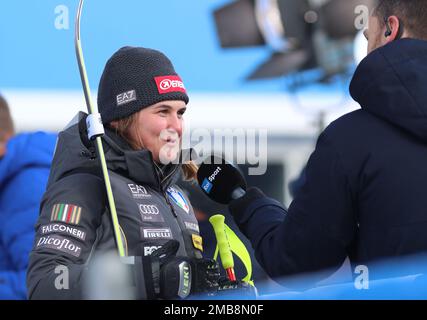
(220, 180)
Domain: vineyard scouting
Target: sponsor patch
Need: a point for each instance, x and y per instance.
(192, 226)
(138, 191)
(158, 233)
(207, 186)
(60, 228)
(67, 213)
(59, 243)
(150, 212)
(197, 241)
(169, 84)
(178, 198)
(126, 97)
(148, 250)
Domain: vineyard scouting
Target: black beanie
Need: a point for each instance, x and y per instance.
(135, 78)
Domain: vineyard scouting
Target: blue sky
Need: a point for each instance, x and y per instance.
(36, 55)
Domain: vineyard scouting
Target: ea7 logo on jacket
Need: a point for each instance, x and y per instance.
(138, 192)
(67, 213)
(150, 212)
(160, 233)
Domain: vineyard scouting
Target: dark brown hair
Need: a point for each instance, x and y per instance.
(412, 14)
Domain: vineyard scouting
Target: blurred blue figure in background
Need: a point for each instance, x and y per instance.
(24, 169)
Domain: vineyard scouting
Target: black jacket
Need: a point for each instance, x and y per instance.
(75, 220)
(365, 189)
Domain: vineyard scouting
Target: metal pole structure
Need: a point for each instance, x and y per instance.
(96, 130)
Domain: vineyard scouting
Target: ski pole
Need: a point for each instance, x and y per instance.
(227, 261)
(96, 131)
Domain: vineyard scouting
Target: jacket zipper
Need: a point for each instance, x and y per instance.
(169, 203)
(187, 247)
(165, 195)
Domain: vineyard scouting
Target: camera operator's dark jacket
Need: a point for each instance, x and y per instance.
(75, 219)
(365, 189)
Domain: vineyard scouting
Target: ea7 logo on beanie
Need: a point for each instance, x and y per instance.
(169, 84)
(126, 97)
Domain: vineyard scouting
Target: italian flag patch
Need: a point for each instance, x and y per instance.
(66, 213)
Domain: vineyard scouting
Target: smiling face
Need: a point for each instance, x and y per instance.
(158, 128)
